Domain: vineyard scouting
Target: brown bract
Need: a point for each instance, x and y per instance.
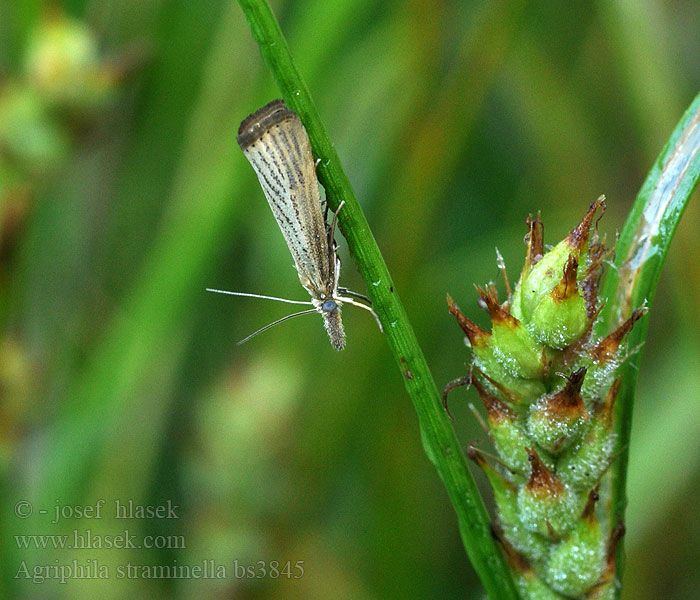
(542, 483)
(499, 316)
(589, 511)
(567, 404)
(477, 336)
(608, 347)
(535, 242)
(566, 288)
(578, 238)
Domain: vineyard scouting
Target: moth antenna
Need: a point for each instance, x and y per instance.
(277, 322)
(359, 304)
(308, 303)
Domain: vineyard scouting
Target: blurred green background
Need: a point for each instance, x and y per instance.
(123, 194)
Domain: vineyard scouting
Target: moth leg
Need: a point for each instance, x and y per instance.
(352, 294)
(331, 235)
(347, 300)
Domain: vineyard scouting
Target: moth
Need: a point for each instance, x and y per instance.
(277, 146)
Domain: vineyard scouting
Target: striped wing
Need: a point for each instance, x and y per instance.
(276, 144)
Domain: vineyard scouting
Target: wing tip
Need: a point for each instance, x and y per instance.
(255, 125)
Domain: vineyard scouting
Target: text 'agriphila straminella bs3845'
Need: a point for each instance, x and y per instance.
(275, 142)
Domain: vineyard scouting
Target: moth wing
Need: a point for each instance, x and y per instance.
(278, 148)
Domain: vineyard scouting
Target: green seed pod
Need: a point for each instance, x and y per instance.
(582, 466)
(531, 545)
(530, 585)
(507, 434)
(541, 278)
(534, 588)
(578, 561)
(557, 420)
(560, 317)
(546, 505)
(520, 391)
(608, 586)
(513, 346)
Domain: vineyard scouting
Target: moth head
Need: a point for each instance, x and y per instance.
(329, 305)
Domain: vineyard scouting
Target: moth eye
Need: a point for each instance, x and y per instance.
(329, 305)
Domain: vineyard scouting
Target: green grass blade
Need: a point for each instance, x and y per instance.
(640, 255)
(439, 439)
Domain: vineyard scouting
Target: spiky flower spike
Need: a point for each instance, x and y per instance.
(549, 389)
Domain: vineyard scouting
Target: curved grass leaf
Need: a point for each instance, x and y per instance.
(640, 255)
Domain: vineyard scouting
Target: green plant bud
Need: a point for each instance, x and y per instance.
(516, 392)
(531, 545)
(546, 505)
(62, 63)
(530, 586)
(608, 586)
(582, 465)
(513, 346)
(557, 420)
(519, 391)
(507, 434)
(539, 280)
(560, 317)
(576, 564)
(27, 133)
(542, 278)
(606, 356)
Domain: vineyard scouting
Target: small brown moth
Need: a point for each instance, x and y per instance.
(275, 142)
